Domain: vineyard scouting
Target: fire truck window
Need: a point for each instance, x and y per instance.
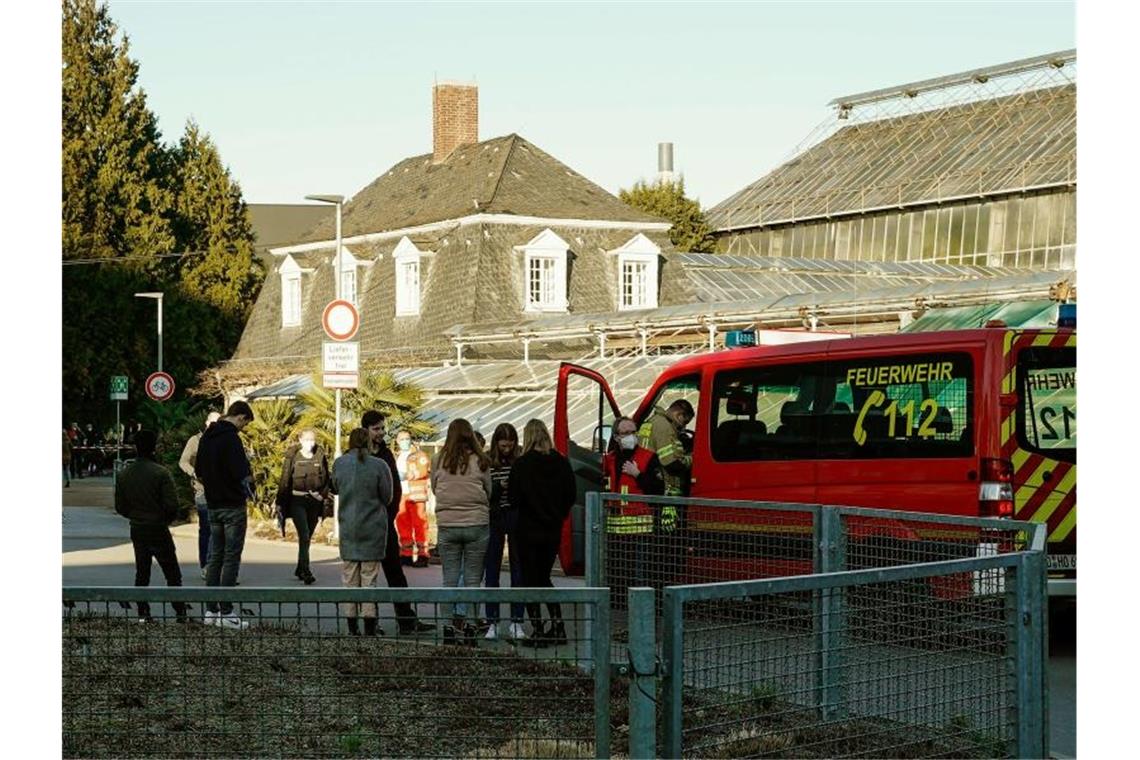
(918, 405)
(764, 413)
(1047, 402)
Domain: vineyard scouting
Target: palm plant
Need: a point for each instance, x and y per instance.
(266, 438)
(401, 403)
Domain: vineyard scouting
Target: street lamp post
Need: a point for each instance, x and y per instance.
(338, 276)
(157, 297)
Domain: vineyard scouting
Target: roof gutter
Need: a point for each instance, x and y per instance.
(447, 224)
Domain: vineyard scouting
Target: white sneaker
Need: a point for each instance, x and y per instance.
(515, 631)
(492, 633)
(210, 618)
(203, 573)
(232, 621)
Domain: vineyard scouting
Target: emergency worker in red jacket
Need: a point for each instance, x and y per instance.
(629, 469)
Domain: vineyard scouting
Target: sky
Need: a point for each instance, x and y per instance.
(308, 97)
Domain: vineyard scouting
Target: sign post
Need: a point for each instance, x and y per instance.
(340, 320)
(118, 394)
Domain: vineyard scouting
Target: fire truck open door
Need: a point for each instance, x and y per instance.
(584, 413)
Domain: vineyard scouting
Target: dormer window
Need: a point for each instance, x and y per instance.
(637, 273)
(544, 265)
(290, 292)
(407, 261)
(348, 269)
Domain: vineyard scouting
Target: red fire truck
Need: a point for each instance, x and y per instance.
(979, 422)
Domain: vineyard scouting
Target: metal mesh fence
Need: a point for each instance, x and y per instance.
(298, 683)
(875, 665)
(672, 541)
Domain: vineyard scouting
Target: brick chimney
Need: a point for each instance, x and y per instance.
(454, 117)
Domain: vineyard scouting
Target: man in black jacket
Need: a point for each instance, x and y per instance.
(144, 494)
(373, 422)
(223, 469)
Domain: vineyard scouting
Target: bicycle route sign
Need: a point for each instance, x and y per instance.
(160, 386)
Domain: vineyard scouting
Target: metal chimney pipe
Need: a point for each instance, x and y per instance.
(664, 162)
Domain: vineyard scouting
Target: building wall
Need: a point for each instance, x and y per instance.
(1037, 231)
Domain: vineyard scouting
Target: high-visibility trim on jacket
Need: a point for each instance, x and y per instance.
(629, 516)
(659, 435)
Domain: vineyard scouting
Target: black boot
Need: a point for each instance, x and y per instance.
(556, 635)
(371, 627)
(538, 636)
(353, 627)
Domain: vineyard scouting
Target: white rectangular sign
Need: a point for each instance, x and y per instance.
(340, 380)
(341, 357)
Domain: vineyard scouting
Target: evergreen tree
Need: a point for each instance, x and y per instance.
(115, 202)
(210, 218)
(126, 195)
(690, 232)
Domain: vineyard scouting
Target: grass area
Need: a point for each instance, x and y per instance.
(758, 724)
(169, 690)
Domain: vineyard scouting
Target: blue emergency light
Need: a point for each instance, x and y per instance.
(740, 339)
(1067, 315)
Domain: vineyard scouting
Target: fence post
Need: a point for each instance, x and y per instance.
(1029, 622)
(600, 635)
(829, 618)
(672, 672)
(643, 675)
(595, 575)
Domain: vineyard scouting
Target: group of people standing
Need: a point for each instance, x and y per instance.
(510, 493)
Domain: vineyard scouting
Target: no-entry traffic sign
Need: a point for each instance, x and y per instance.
(340, 319)
(160, 386)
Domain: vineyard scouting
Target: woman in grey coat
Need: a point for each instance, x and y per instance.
(364, 484)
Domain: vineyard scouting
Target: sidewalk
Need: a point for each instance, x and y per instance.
(97, 550)
(89, 492)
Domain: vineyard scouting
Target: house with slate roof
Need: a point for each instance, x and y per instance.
(473, 232)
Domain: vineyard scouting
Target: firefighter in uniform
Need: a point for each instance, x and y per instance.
(630, 469)
(414, 469)
(661, 433)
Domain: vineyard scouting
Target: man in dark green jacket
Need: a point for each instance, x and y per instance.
(144, 494)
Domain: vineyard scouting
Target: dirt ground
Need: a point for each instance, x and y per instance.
(169, 690)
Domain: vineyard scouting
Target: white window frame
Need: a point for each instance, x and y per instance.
(406, 260)
(349, 269)
(638, 250)
(292, 300)
(549, 253)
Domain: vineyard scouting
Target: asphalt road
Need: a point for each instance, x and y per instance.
(97, 552)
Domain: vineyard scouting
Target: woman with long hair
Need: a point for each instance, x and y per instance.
(542, 489)
(364, 484)
(504, 520)
(461, 481)
(301, 494)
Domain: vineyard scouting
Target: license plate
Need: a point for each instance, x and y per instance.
(1061, 561)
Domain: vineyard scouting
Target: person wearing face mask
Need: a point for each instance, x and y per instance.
(629, 469)
(414, 469)
(301, 494)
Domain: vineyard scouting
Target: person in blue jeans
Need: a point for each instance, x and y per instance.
(227, 480)
(504, 451)
(186, 464)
